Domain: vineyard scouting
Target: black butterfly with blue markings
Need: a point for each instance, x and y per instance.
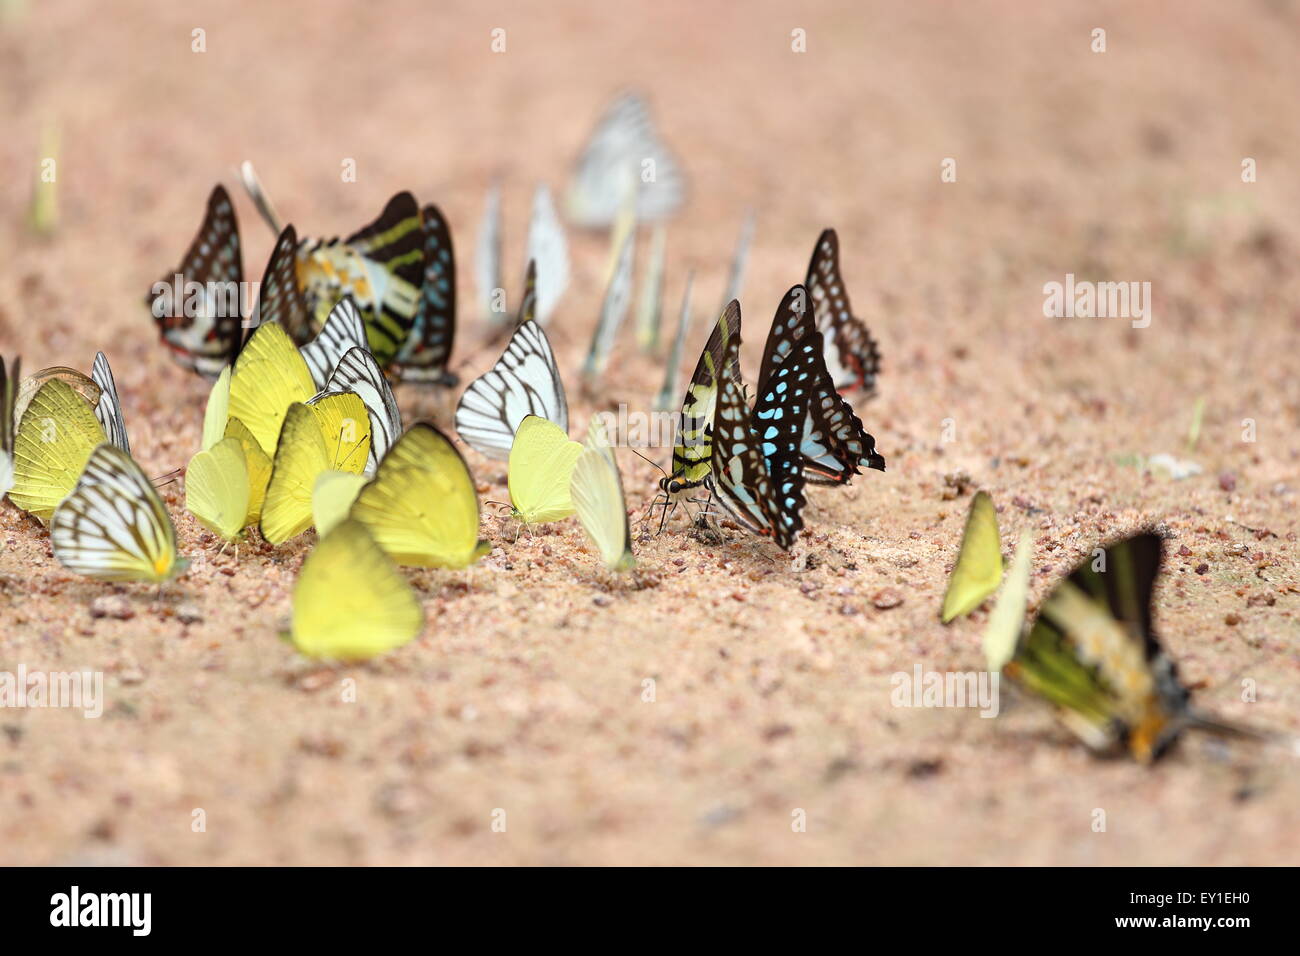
(757, 470)
(423, 356)
(834, 442)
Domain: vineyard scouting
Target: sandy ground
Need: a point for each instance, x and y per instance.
(772, 687)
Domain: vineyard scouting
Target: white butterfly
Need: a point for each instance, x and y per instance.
(358, 371)
(113, 525)
(624, 153)
(613, 310)
(487, 256)
(109, 408)
(549, 249)
(343, 330)
(525, 381)
(649, 310)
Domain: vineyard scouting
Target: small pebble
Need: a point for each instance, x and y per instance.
(886, 598)
(602, 600)
(112, 605)
(1228, 481)
(189, 614)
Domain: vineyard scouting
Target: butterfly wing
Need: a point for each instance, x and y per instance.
(358, 372)
(345, 422)
(55, 438)
(217, 410)
(350, 602)
(217, 490)
(1007, 619)
(978, 570)
(540, 469)
(613, 309)
(693, 447)
(421, 506)
(259, 466)
(280, 300)
(109, 408)
(300, 457)
(114, 526)
(487, 257)
(548, 248)
(332, 498)
(9, 381)
(597, 492)
(269, 376)
(210, 338)
(524, 381)
(424, 355)
(343, 330)
(852, 355)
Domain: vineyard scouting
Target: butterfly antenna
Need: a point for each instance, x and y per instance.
(253, 186)
(168, 478)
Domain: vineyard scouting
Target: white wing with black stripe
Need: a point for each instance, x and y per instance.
(358, 371)
(109, 408)
(343, 330)
(525, 381)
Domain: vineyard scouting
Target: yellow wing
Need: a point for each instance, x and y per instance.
(56, 435)
(541, 465)
(217, 489)
(217, 411)
(269, 376)
(597, 492)
(332, 497)
(82, 384)
(350, 601)
(259, 469)
(421, 505)
(978, 571)
(300, 457)
(345, 424)
(1008, 617)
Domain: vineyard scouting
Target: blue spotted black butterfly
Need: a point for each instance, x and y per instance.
(852, 355)
(209, 337)
(423, 356)
(757, 467)
(834, 442)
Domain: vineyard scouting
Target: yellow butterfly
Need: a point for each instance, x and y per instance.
(541, 465)
(350, 602)
(217, 489)
(332, 497)
(978, 571)
(258, 464)
(421, 505)
(597, 492)
(217, 412)
(270, 374)
(114, 526)
(56, 434)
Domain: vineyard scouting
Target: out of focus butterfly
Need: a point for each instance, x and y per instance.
(109, 408)
(834, 442)
(852, 355)
(113, 526)
(9, 377)
(541, 466)
(350, 602)
(672, 368)
(424, 355)
(204, 330)
(596, 489)
(978, 570)
(487, 259)
(56, 435)
(623, 154)
(614, 307)
(1092, 652)
(650, 304)
(548, 248)
(421, 506)
(524, 381)
(757, 467)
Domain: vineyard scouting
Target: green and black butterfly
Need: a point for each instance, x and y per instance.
(834, 442)
(424, 355)
(756, 471)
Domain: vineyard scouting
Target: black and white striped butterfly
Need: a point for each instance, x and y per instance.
(757, 469)
(424, 355)
(852, 355)
(357, 371)
(109, 409)
(343, 330)
(834, 442)
(624, 153)
(525, 381)
(113, 526)
(207, 340)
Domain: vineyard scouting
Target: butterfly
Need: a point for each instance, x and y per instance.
(113, 526)
(421, 506)
(623, 153)
(424, 355)
(332, 435)
(258, 464)
(978, 570)
(834, 442)
(649, 310)
(524, 381)
(667, 391)
(693, 446)
(851, 353)
(56, 435)
(740, 258)
(359, 373)
(109, 408)
(9, 378)
(548, 248)
(269, 375)
(596, 489)
(280, 299)
(209, 336)
(350, 602)
(541, 465)
(1092, 652)
(757, 467)
(614, 307)
(487, 258)
(217, 410)
(343, 330)
(218, 490)
(331, 498)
